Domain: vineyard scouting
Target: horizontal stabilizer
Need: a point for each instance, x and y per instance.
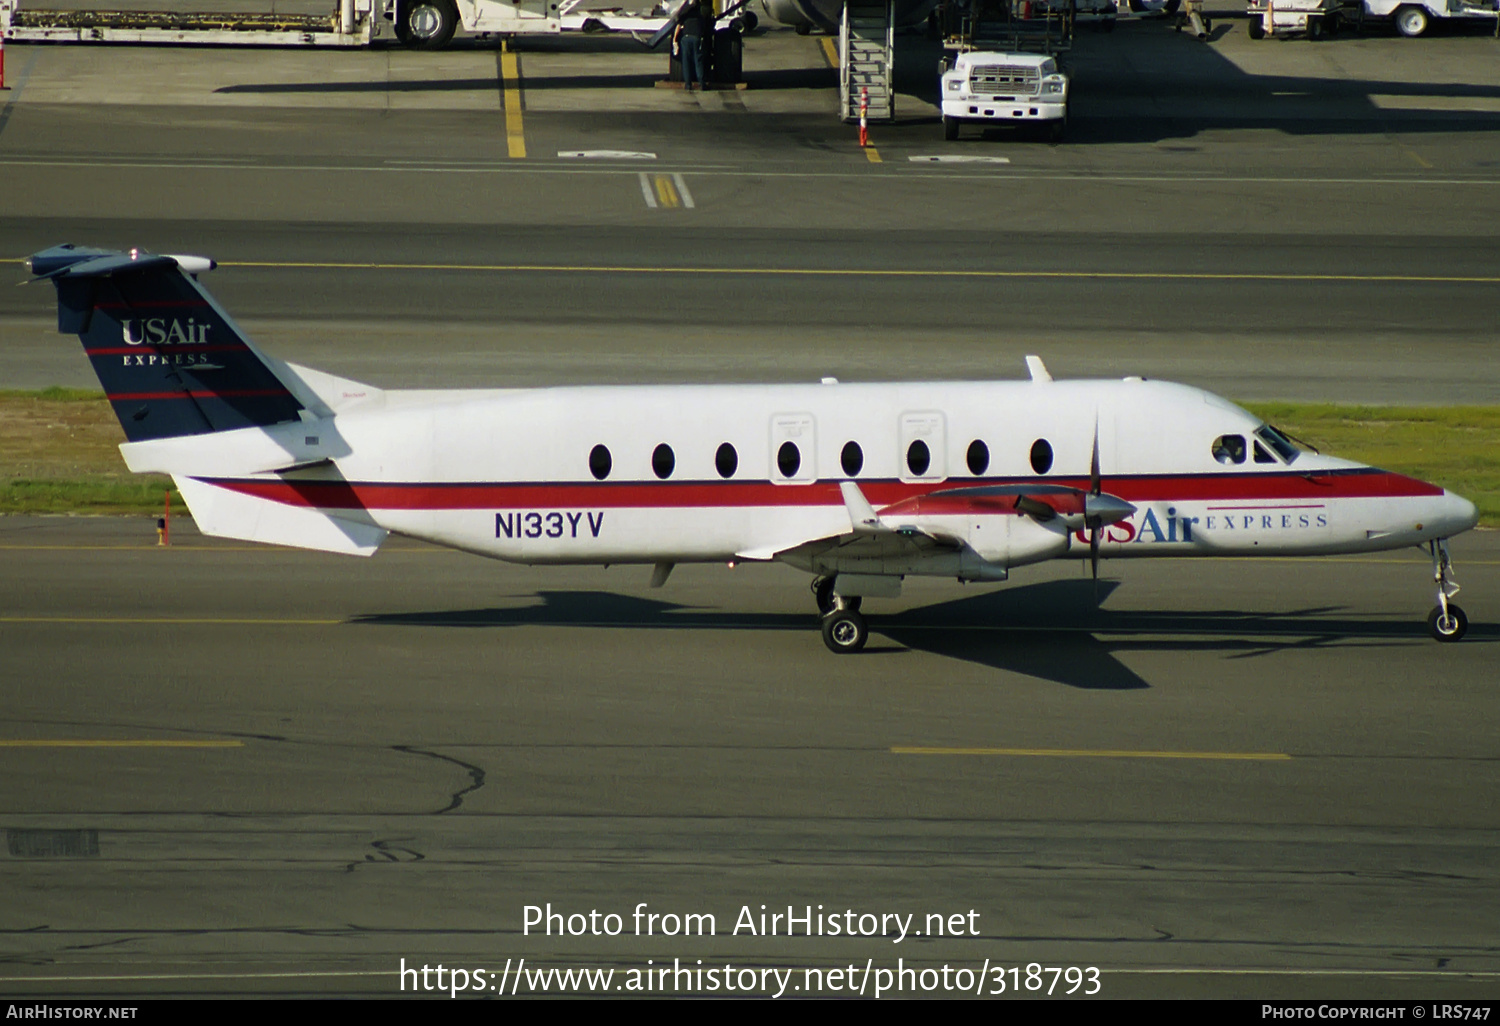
(226, 514)
(240, 453)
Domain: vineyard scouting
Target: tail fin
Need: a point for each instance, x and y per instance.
(170, 359)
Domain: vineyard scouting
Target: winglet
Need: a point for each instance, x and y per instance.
(862, 515)
(1037, 368)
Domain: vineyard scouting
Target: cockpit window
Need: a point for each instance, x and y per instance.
(1229, 448)
(1279, 442)
(1261, 456)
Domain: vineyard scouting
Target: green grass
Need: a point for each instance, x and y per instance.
(144, 494)
(58, 450)
(1457, 447)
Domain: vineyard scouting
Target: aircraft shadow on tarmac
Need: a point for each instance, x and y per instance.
(1053, 630)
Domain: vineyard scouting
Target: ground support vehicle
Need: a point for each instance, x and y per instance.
(420, 24)
(1283, 18)
(1413, 17)
(988, 87)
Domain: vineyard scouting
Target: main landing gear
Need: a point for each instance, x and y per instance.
(1447, 622)
(844, 630)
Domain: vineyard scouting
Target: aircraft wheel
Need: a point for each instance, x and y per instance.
(1449, 628)
(950, 128)
(1257, 30)
(427, 24)
(1411, 21)
(845, 631)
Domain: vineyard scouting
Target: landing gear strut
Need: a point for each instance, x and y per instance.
(822, 589)
(844, 630)
(1447, 622)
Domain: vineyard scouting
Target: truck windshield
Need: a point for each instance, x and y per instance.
(1277, 441)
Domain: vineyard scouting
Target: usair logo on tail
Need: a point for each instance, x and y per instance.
(158, 331)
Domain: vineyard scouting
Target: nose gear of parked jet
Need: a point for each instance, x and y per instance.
(1447, 621)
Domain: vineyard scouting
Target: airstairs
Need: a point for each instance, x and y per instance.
(867, 44)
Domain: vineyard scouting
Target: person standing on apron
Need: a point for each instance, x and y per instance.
(691, 30)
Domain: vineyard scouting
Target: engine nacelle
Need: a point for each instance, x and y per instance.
(1015, 540)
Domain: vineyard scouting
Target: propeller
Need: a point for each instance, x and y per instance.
(1092, 518)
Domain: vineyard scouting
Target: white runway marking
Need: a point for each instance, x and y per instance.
(956, 158)
(605, 155)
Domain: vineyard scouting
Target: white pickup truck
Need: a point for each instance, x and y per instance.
(985, 87)
(1412, 17)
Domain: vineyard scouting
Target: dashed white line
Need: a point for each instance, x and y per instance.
(606, 155)
(956, 158)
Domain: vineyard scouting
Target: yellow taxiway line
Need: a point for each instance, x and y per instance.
(138, 620)
(1095, 753)
(510, 76)
(69, 743)
(857, 272)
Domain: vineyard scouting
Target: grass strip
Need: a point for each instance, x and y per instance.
(58, 450)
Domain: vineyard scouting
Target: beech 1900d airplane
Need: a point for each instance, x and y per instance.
(861, 485)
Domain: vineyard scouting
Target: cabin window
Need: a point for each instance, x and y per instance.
(852, 459)
(1229, 448)
(1261, 456)
(663, 461)
(726, 460)
(599, 462)
(788, 459)
(918, 458)
(978, 457)
(1041, 455)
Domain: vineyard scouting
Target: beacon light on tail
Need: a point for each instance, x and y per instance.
(860, 485)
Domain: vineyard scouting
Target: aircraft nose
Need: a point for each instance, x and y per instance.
(1458, 514)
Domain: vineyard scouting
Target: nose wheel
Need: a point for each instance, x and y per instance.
(1447, 621)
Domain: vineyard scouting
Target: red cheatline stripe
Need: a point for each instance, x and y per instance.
(1370, 483)
(145, 306)
(163, 349)
(119, 397)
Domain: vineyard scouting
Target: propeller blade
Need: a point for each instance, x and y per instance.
(1094, 551)
(1094, 484)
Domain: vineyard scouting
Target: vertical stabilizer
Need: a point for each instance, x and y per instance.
(170, 359)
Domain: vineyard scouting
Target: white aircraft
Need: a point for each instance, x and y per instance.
(861, 485)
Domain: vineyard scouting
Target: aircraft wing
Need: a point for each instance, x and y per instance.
(868, 537)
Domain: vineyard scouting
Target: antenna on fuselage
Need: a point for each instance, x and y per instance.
(1038, 369)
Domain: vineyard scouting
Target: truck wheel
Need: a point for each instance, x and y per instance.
(1057, 129)
(426, 24)
(1257, 30)
(1411, 21)
(950, 128)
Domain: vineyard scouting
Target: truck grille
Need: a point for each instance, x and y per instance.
(1003, 78)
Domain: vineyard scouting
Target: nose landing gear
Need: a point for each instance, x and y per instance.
(1447, 621)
